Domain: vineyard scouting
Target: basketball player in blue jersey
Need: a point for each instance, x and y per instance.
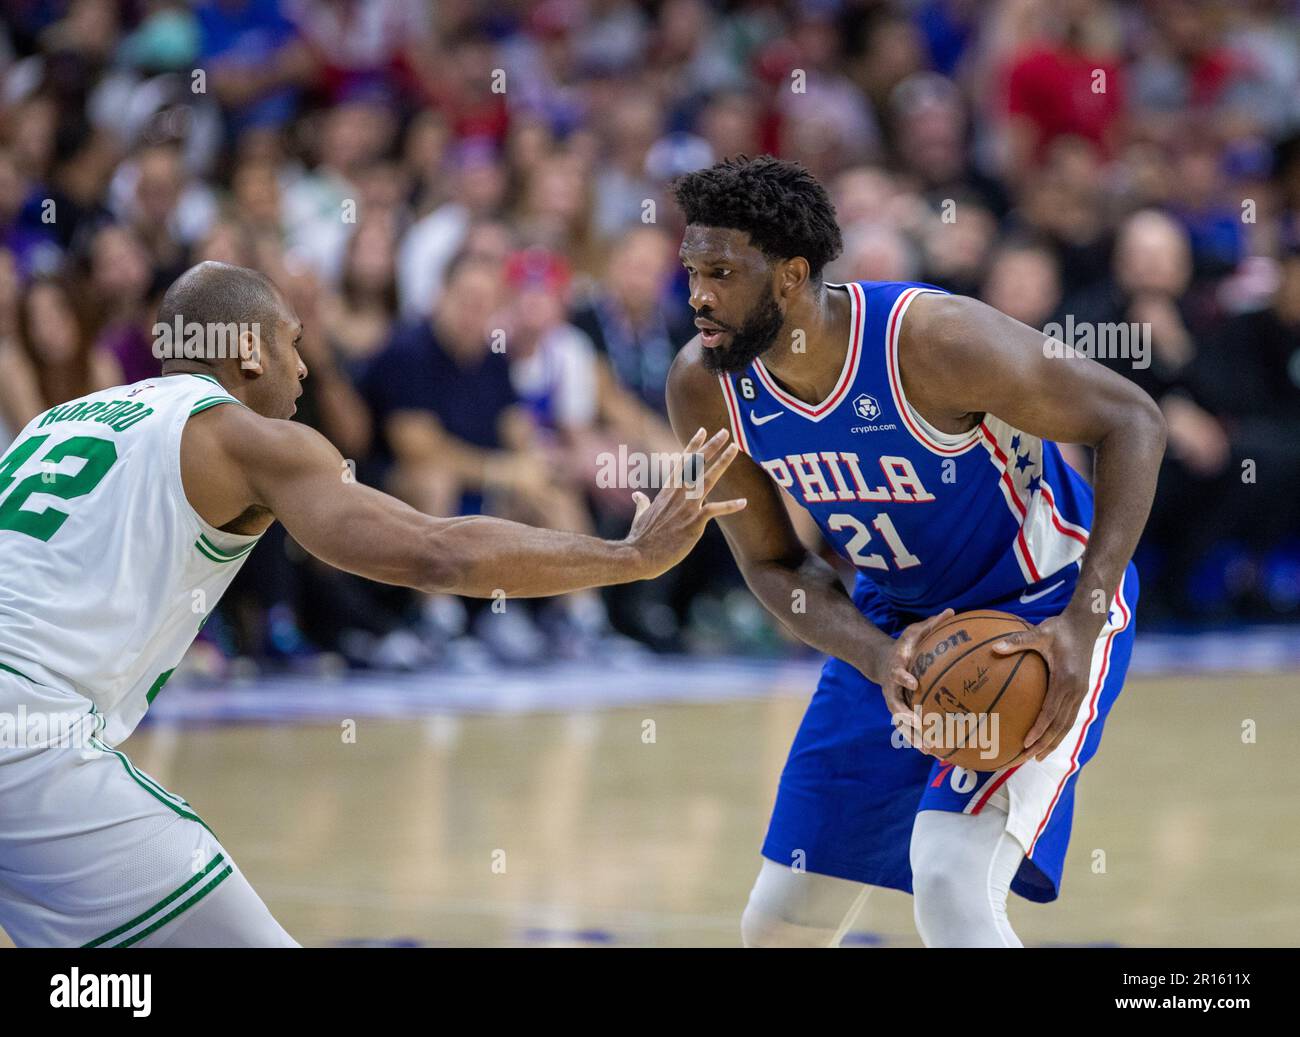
(919, 430)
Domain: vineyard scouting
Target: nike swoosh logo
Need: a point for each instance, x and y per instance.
(765, 418)
(1027, 598)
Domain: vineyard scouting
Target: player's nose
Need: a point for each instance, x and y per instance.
(701, 298)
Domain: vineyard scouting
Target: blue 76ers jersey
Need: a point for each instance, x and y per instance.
(932, 519)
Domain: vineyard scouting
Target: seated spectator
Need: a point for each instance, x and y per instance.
(730, 123)
(1150, 273)
(555, 373)
(320, 208)
(54, 358)
(874, 252)
(441, 398)
(376, 48)
(1024, 282)
(930, 125)
(256, 197)
(23, 234)
(169, 210)
(257, 63)
(635, 332)
(1052, 85)
(1146, 292)
(1206, 207)
(955, 252)
(455, 438)
(555, 210)
(477, 189)
(358, 317)
(1064, 203)
(552, 363)
(622, 185)
(227, 241)
(1250, 381)
(424, 154)
(120, 282)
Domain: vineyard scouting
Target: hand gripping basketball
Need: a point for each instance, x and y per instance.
(897, 682)
(1068, 648)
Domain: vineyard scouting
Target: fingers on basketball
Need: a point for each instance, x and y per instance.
(1020, 642)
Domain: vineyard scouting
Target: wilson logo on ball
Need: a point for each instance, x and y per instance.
(976, 707)
(926, 659)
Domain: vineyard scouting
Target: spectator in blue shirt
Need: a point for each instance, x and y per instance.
(255, 61)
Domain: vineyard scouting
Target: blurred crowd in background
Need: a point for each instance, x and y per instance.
(428, 178)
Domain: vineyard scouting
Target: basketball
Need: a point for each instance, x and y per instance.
(976, 706)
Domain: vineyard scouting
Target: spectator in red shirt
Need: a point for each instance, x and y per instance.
(1069, 83)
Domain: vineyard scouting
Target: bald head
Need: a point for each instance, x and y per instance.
(214, 293)
(245, 331)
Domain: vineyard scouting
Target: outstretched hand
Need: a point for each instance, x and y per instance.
(664, 530)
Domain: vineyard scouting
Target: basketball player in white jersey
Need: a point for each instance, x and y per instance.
(123, 517)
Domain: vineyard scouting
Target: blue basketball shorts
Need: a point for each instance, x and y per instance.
(849, 794)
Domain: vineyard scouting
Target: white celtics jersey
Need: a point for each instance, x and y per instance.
(106, 572)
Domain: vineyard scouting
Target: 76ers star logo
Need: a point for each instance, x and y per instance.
(866, 407)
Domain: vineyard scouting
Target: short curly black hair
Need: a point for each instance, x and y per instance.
(782, 207)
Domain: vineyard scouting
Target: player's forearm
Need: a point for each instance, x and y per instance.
(1125, 469)
(811, 602)
(481, 557)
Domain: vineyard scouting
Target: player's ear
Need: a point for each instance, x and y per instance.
(794, 275)
(250, 349)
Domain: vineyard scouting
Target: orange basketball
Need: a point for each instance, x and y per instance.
(976, 707)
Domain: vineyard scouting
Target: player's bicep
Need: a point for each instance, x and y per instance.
(298, 475)
(976, 358)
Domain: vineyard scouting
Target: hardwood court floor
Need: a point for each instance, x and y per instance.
(570, 829)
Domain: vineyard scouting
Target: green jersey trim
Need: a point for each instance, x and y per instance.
(168, 799)
(157, 686)
(19, 673)
(211, 401)
(222, 875)
(219, 554)
(169, 898)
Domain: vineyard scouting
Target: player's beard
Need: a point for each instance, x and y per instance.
(748, 342)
